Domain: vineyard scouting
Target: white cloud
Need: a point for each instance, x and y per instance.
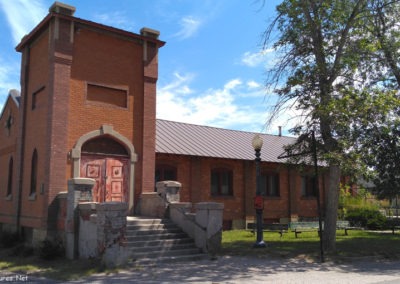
(253, 84)
(9, 79)
(115, 19)
(254, 59)
(219, 107)
(231, 85)
(22, 16)
(287, 118)
(189, 26)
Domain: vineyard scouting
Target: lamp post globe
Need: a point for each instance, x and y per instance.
(257, 143)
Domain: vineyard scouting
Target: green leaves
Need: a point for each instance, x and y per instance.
(337, 64)
(340, 65)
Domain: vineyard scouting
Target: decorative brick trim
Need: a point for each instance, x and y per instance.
(109, 130)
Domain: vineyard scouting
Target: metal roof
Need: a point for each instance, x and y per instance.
(205, 141)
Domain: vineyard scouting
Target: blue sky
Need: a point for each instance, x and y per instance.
(211, 70)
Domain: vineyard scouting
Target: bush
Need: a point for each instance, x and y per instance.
(367, 218)
(50, 250)
(9, 239)
(22, 250)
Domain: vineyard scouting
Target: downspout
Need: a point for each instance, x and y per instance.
(245, 179)
(22, 149)
(289, 193)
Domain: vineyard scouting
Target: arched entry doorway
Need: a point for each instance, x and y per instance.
(92, 146)
(106, 161)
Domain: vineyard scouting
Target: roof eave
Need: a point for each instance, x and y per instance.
(11, 97)
(28, 38)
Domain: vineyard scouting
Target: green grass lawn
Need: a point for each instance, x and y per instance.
(17, 261)
(236, 242)
(356, 244)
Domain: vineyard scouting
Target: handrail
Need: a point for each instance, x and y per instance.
(182, 211)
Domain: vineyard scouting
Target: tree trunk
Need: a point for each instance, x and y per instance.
(331, 208)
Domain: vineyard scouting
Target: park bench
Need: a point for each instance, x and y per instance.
(299, 227)
(393, 225)
(271, 227)
(345, 225)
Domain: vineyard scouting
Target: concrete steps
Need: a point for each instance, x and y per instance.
(159, 240)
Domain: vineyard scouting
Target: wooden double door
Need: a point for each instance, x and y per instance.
(110, 174)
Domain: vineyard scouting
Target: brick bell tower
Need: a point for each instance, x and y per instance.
(82, 83)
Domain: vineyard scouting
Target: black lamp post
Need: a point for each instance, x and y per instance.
(258, 200)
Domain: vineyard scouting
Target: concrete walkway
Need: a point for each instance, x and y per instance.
(255, 270)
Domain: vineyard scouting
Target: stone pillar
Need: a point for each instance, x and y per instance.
(209, 216)
(169, 190)
(79, 189)
(111, 233)
(87, 230)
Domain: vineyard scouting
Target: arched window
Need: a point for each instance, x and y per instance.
(104, 145)
(10, 176)
(34, 164)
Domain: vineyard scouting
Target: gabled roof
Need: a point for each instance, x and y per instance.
(195, 140)
(14, 96)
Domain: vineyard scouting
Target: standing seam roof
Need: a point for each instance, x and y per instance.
(205, 141)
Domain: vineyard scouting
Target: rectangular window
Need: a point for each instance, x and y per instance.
(37, 98)
(165, 172)
(269, 184)
(107, 95)
(308, 188)
(221, 182)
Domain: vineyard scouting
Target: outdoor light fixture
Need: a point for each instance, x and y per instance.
(258, 200)
(257, 143)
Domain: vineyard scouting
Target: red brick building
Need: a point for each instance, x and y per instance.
(87, 108)
(215, 164)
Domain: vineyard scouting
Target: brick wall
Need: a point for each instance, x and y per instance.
(63, 58)
(8, 147)
(195, 175)
(36, 129)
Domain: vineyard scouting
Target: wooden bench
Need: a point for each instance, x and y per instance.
(299, 227)
(393, 225)
(345, 225)
(272, 227)
(395, 228)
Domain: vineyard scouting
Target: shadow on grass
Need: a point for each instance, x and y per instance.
(57, 268)
(307, 245)
(238, 260)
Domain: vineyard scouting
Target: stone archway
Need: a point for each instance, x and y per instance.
(76, 155)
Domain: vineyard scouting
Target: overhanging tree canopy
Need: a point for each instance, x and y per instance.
(333, 54)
